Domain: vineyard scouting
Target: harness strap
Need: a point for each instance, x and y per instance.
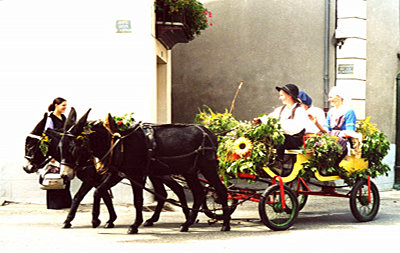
(151, 145)
(34, 136)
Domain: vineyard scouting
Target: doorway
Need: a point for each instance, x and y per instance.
(163, 92)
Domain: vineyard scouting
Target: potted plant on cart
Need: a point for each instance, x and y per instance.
(179, 21)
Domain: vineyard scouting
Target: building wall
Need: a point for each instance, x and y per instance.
(268, 43)
(383, 64)
(72, 49)
(265, 43)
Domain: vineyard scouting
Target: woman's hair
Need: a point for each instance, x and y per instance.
(56, 101)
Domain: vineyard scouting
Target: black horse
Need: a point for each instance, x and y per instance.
(157, 150)
(89, 177)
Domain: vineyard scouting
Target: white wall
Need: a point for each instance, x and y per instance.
(51, 48)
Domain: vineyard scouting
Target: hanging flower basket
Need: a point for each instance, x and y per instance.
(178, 21)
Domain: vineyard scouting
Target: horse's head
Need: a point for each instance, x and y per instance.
(33, 143)
(41, 145)
(72, 147)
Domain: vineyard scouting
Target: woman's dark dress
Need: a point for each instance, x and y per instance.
(58, 199)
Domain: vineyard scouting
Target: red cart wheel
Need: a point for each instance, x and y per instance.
(213, 209)
(276, 213)
(364, 203)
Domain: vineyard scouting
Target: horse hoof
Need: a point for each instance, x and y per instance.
(109, 225)
(96, 223)
(184, 229)
(148, 223)
(226, 228)
(133, 230)
(67, 225)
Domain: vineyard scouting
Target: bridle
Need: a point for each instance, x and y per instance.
(116, 138)
(35, 150)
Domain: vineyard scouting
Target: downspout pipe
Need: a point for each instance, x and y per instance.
(326, 53)
(397, 162)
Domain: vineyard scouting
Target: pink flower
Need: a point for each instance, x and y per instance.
(209, 14)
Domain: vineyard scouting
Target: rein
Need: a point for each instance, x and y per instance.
(109, 153)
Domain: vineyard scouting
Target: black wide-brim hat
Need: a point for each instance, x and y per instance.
(290, 89)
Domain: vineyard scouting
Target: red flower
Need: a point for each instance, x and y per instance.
(120, 123)
(232, 157)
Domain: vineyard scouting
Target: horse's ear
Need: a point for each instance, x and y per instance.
(110, 122)
(70, 120)
(39, 128)
(78, 127)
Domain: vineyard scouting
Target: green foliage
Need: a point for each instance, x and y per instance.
(196, 15)
(325, 152)
(44, 144)
(375, 147)
(84, 136)
(124, 122)
(244, 147)
(216, 122)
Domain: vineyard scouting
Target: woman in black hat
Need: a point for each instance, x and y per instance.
(293, 119)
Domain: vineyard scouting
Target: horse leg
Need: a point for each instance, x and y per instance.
(99, 193)
(159, 189)
(178, 190)
(198, 198)
(213, 179)
(110, 180)
(110, 207)
(138, 203)
(83, 190)
(115, 179)
(96, 209)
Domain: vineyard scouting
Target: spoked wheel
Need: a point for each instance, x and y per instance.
(212, 207)
(271, 209)
(364, 206)
(301, 198)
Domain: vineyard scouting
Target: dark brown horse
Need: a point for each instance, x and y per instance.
(36, 160)
(155, 151)
(88, 175)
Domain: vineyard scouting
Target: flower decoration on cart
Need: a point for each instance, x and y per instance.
(324, 152)
(242, 146)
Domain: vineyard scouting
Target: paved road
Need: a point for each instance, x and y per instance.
(325, 225)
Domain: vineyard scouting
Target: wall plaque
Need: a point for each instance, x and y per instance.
(124, 26)
(346, 68)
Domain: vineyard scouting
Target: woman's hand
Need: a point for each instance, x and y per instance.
(256, 121)
(312, 118)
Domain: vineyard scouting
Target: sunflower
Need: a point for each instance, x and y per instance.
(242, 146)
